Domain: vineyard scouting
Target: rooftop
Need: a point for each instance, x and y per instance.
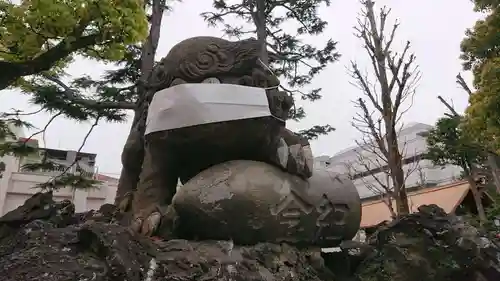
(410, 128)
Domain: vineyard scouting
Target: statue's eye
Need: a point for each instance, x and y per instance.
(211, 80)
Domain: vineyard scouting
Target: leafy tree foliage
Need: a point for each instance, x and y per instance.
(285, 53)
(38, 39)
(448, 144)
(481, 54)
(482, 5)
(493, 212)
(36, 35)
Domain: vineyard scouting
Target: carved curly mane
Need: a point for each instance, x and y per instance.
(197, 58)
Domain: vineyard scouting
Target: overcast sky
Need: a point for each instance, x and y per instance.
(435, 28)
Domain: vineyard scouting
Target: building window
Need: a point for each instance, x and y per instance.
(2, 169)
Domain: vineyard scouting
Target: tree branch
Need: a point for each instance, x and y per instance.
(44, 128)
(75, 161)
(367, 120)
(71, 95)
(383, 190)
(13, 70)
(450, 108)
(463, 84)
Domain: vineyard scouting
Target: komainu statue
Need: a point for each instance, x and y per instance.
(216, 103)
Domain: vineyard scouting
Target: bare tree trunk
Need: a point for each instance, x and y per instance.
(398, 178)
(133, 151)
(388, 196)
(396, 79)
(477, 198)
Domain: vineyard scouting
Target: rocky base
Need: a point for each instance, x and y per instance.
(45, 240)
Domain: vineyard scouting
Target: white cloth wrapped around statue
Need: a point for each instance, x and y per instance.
(251, 202)
(188, 105)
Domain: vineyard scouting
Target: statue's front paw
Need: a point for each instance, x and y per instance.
(303, 159)
(294, 155)
(125, 203)
(146, 221)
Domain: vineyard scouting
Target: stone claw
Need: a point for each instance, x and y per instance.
(146, 222)
(126, 202)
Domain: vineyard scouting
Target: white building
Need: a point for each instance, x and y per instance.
(321, 161)
(412, 145)
(17, 185)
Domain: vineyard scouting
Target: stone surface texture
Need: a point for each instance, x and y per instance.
(57, 245)
(253, 202)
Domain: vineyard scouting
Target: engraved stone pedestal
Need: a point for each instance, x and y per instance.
(253, 202)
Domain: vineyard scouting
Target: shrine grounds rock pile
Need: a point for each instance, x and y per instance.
(46, 240)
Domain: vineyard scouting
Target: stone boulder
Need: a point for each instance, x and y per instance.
(430, 245)
(251, 202)
(58, 245)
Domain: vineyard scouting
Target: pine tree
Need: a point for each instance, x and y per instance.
(447, 144)
(285, 53)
